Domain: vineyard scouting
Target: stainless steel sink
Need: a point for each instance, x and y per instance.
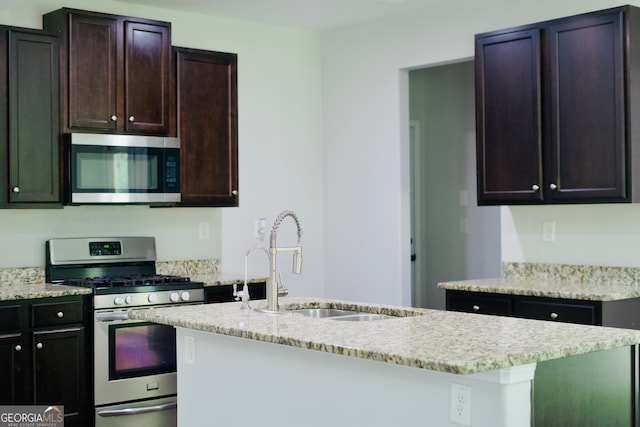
(363, 317)
(322, 313)
(338, 314)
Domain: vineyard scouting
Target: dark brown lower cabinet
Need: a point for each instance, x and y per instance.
(224, 293)
(45, 356)
(591, 390)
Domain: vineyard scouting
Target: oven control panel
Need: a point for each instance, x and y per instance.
(149, 299)
(105, 248)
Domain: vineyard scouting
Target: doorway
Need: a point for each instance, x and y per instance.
(452, 238)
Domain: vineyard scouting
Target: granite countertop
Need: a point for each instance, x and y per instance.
(459, 343)
(589, 291)
(12, 291)
(29, 282)
(578, 282)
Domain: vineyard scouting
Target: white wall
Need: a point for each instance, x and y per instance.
(366, 147)
(323, 131)
(280, 147)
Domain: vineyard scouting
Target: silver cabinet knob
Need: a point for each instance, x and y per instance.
(60, 315)
(554, 316)
(18, 347)
(39, 346)
(132, 119)
(234, 192)
(15, 189)
(476, 308)
(114, 118)
(535, 187)
(553, 186)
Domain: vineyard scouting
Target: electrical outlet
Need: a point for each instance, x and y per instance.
(189, 350)
(203, 230)
(260, 228)
(461, 404)
(549, 231)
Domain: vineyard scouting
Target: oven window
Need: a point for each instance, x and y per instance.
(139, 349)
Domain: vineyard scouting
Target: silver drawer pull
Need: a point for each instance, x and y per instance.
(18, 347)
(476, 308)
(39, 346)
(554, 316)
(60, 315)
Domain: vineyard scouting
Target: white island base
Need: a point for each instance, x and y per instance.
(230, 381)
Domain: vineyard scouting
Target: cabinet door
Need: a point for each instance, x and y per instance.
(59, 371)
(587, 113)
(508, 122)
(92, 72)
(146, 78)
(208, 127)
(13, 386)
(34, 70)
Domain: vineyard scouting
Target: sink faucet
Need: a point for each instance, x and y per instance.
(275, 288)
(244, 293)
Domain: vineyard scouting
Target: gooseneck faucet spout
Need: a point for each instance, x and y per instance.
(275, 288)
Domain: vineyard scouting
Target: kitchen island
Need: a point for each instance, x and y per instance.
(423, 367)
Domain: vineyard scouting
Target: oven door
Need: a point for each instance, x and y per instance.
(156, 413)
(133, 359)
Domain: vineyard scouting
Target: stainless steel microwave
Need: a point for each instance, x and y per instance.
(125, 169)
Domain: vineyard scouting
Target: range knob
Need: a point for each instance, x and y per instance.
(129, 299)
(118, 300)
(174, 297)
(152, 298)
(185, 296)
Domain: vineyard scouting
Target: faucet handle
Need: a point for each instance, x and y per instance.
(282, 291)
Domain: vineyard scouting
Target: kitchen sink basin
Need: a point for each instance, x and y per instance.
(363, 317)
(322, 313)
(339, 314)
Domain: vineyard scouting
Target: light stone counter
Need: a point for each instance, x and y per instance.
(450, 342)
(12, 291)
(548, 288)
(29, 282)
(579, 282)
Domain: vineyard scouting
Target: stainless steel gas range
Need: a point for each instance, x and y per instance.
(134, 361)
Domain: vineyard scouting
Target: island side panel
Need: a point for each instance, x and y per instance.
(230, 381)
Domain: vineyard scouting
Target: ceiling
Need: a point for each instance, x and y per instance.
(316, 15)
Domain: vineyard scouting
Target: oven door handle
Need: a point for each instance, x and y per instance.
(110, 317)
(136, 411)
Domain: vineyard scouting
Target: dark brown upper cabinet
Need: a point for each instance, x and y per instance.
(29, 119)
(554, 108)
(118, 72)
(206, 103)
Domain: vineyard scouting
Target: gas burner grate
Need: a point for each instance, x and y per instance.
(127, 281)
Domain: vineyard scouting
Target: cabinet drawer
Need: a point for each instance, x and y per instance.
(483, 305)
(59, 313)
(10, 318)
(572, 313)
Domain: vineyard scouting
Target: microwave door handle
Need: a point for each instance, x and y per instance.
(136, 411)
